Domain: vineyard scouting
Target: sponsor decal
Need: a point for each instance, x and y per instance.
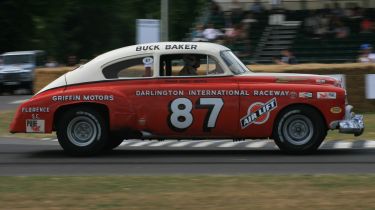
(326, 95)
(192, 93)
(35, 126)
(34, 109)
(148, 61)
(336, 110)
(167, 47)
(320, 81)
(258, 113)
(270, 92)
(147, 47)
(305, 95)
(293, 94)
(181, 47)
(83, 98)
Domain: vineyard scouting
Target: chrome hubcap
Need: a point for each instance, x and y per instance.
(82, 131)
(298, 129)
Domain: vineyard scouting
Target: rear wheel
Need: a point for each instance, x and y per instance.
(299, 129)
(82, 131)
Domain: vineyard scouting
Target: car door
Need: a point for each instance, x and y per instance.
(204, 105)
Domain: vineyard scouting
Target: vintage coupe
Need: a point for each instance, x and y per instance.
(184, 90)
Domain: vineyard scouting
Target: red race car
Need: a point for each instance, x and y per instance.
(184, 90)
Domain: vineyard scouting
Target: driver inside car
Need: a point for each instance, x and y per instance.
(192, 62)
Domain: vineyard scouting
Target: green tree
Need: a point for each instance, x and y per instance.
(85, 28)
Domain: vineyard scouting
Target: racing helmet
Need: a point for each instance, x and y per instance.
(191, 60)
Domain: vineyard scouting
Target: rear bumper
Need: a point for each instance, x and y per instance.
(352, 124)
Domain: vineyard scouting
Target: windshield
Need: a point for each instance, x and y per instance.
(234, 64)
(17, 59)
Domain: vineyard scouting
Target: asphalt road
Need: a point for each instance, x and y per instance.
(8, 102)
(37, 157)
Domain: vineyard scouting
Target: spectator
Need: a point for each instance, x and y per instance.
(216, 15)
(257, 7)
(311, 23)
(72, 60)
(236, 33)
(237, 12)
(340, 30)
(197, 34)
(286, 58)
(357, 13)
(337, 10)
(367, 25)
(366, 55)
(322, 28)
(51, 62)
(275, 4)
(215, 8)
(248, 19)
(211, 33)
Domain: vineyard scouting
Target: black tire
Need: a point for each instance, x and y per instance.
(82, 131)
(113, 142)
(299, 130)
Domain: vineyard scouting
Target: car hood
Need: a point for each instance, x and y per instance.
(291, 78)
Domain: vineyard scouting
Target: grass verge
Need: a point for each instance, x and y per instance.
(344, 192)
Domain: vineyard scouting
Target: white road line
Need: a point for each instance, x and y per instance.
(139, 144)
(206, 143)
(182, 144)
(230, 144)
(342, 145)
(126, 142)
(161, 143)
(46, 139)
(369, 144)
(54, 140)
(257, 144)
(18, 101)
(322, 145)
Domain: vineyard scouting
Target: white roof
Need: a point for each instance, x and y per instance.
(95, 66)
(92, 71)
(160, 48)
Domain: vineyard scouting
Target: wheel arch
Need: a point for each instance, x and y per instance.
(101, 108)
(291, 106)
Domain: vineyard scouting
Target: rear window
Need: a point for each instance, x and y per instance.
(130, 68)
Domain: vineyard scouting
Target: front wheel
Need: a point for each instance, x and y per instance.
(299, 129)
(82, 131)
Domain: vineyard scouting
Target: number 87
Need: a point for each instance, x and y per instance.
(180, 117)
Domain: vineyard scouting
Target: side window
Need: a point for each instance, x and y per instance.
(135, 67)
(188, 65)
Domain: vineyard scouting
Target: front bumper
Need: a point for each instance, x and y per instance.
(15, 78)
(352, 124)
